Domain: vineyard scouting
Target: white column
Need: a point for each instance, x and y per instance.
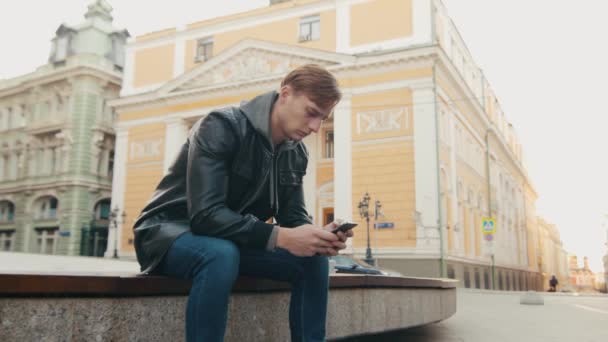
(310, 180)
(422, 16)
(343, 161)
(456, 214)
(179, 55)
(425, 167)
(342, 26)
(118, 187)
(176, 134)
(128, 72)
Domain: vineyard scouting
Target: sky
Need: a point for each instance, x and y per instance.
(546, 61)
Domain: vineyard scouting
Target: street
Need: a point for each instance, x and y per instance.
(498, 317)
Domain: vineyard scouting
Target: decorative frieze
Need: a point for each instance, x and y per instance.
(249, 64)
(385, 120)
(144, 149)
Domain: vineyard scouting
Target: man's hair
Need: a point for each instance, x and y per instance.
(314, 81)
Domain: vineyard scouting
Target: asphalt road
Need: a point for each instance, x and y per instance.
(499, 317)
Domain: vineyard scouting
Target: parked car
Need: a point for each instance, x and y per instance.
(347, 264)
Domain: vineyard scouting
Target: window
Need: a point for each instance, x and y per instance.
(451, 273)
(329, 145)
(500, 283)
(118, 51)
(111, 165)
(467, 278)
(102, 210)
(6, 167)
(310, 28)
(47, 209)
(328, 215)
(62, 47)
(204, 50)
(477, 279)
(6, 240)
(46, 240)
(7, 212)
(486, 280)
(9, 118)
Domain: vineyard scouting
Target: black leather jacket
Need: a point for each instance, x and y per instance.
(226, 164)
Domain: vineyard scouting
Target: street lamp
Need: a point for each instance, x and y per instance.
(114, 217)
(364, 212)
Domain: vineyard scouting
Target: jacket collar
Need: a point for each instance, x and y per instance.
(257, 111)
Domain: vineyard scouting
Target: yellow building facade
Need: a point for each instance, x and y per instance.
(554, 258)
(418, 128)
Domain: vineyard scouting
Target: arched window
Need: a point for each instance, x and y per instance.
(451, 273)
(7, 212)
(102, 209)
(46, 208)
(444, 194)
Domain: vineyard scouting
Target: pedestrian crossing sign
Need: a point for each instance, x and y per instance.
(488, 225)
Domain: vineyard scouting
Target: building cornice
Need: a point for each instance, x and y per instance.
(61, 74)
(349, 66)
(22, 186)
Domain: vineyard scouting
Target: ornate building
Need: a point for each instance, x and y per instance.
(419, 129)
(57, 142)
(582, 279)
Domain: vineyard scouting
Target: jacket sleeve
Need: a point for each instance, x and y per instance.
(292, 210)
(211, 148)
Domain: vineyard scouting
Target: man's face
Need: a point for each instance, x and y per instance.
(300, 116)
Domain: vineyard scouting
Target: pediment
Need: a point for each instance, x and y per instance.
(251, 60)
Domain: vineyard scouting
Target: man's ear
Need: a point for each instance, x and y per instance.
(284, 92)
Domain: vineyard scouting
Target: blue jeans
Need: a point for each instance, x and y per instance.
(214, 264)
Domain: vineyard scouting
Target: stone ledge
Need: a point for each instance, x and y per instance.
(120, 285)
(88, 307)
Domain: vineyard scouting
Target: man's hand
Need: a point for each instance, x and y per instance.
(308, 240)
(341, 236)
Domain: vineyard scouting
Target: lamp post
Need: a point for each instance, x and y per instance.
(114, 217)
(364, 212)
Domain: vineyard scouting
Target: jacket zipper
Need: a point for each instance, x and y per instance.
(257, 191)
(275, 187)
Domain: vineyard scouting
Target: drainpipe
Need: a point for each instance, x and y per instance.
(527, 237)
(488, 131)
(442, 266)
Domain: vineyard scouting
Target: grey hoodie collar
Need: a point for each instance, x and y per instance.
(257, 111)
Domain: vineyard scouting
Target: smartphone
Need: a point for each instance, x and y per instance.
(344, 227)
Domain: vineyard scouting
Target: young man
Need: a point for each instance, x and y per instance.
(238, 168)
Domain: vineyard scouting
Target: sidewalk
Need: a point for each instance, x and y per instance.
(542, 293)
(11, 262)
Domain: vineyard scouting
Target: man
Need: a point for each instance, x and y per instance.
(553, 284)
(207, 218)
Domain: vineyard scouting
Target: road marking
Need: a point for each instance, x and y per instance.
(584, 307)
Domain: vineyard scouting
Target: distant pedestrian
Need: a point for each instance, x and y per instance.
(553, 284)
